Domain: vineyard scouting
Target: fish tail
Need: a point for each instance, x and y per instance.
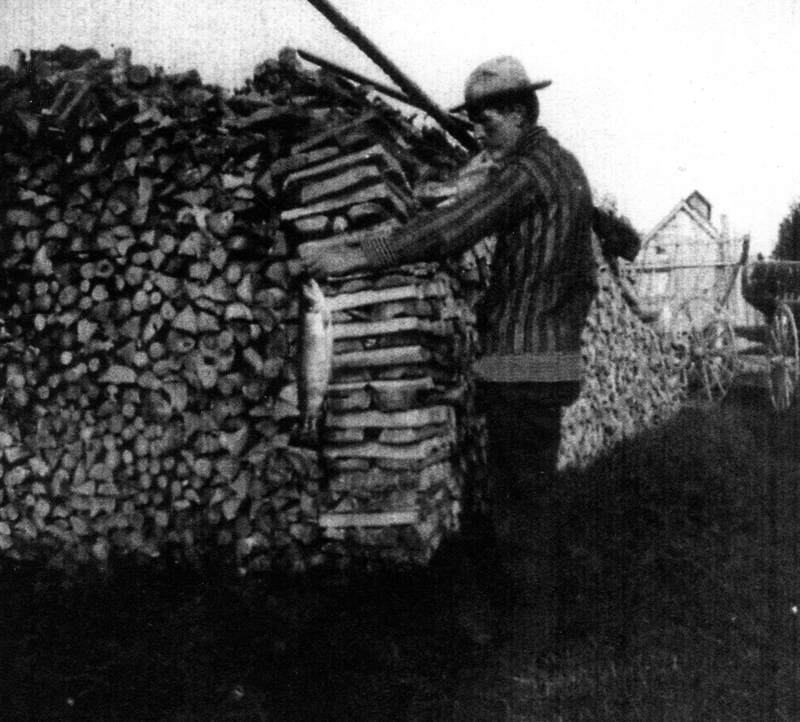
(310, 431)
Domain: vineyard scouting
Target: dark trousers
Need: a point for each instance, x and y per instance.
(524, 432)
(517, 564)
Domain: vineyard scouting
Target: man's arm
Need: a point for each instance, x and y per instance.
(443, 231)
(454, 228)
(330, 262)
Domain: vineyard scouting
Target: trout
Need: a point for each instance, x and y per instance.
(316, 357)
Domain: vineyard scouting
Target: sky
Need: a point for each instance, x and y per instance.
(656, 98)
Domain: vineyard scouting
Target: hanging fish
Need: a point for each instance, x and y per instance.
(316, 357)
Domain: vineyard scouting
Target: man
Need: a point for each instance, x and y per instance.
(537, 203)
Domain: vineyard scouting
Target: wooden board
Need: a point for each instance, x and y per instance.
(392, 419)
(375, 155)
(338, 520)
(380, 191)
(431, 289)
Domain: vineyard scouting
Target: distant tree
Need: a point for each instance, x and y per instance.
(788, 246)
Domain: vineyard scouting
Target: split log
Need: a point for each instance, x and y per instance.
(398, 325)
(419, 451)
(433, 289)
(373, 157)
(334, 520)
(392, 420)
(380, 192)
(398, 356)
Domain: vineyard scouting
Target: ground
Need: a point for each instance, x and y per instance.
(675, 597)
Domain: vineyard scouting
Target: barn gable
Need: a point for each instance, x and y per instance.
(684, 235)
(687, 256)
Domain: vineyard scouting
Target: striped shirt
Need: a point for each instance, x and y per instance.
(538, 203)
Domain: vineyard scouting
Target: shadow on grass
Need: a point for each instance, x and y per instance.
(144, 644)
(676, 583)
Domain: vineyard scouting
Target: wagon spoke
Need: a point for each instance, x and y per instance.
(780, 334)
(783, 357)
(783, 389)
(714, 381)
(707, 385)
(721, 373)
(723, 376)
(705, 343)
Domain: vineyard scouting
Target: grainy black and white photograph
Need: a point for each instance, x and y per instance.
(399, 361)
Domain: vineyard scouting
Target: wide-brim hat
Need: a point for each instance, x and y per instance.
(496, 79)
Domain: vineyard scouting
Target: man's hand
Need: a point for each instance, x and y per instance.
(322, 262)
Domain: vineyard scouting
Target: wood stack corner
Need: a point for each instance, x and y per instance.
(390, 431)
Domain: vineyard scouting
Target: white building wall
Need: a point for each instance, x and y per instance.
(682, 261)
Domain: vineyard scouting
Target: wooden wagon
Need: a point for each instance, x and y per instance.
(703, 335)
(773, 287)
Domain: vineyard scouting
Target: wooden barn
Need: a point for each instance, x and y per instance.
(687, 258)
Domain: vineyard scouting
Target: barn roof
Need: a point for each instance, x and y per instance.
(684, 205)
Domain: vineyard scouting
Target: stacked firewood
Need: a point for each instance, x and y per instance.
(632, 376)
(147, 340)
(149, 301)
(142, 332)
(399, 358)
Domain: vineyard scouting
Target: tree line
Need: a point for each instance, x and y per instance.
(788, 246)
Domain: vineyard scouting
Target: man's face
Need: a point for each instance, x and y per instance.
(497, 131)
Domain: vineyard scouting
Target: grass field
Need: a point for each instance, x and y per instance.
(676, 597)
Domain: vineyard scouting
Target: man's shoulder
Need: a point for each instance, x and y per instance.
(541, 144)
(543, 155)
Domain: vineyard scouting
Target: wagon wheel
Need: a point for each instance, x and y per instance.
(706, 344)
(784, 358)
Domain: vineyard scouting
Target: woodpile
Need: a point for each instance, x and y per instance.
(632, 374)
(400, 357)
(149, 301)
(141, 331)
